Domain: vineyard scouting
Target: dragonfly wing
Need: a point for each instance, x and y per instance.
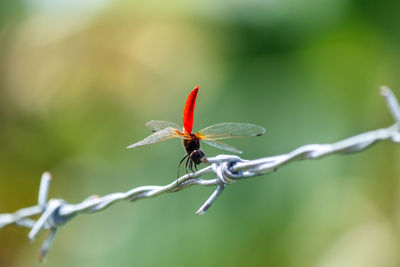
(222, 146)
(229, 130)
(158, 136)
(156, 126)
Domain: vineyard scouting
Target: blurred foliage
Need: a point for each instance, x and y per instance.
(79, 79)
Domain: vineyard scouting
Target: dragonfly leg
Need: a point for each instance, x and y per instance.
(180, 162)
(191, 166)
(192, 163)
(186, 164)
(195, 167)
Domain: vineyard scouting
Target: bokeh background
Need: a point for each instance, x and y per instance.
(79, 79)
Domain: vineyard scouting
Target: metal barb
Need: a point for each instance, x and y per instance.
(226, 168)
(47, 243)
(203, 209)
(44, 189)
(392, 102)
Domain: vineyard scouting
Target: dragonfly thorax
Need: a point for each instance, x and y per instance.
(191, 144)
(192, 147)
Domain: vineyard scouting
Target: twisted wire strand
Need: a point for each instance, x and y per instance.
(226, 168)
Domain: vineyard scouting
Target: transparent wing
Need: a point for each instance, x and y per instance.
(229, 130)
(162, 135)
(156, 126)
(222, 146)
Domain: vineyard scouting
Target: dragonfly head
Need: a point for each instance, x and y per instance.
(197, 156)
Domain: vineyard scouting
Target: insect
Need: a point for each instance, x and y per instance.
(163, 130)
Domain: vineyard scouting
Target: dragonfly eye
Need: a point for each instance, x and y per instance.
(196, 156)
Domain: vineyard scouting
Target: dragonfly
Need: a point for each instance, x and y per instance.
(164, 130)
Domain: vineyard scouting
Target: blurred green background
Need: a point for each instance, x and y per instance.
(79, 79)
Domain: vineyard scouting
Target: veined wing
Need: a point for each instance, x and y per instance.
(229, 130)
(162, 135)
(222, 146)
(156, 126)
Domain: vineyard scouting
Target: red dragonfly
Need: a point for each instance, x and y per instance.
(163, 130)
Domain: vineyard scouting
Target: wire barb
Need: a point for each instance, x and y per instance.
(392, 102)
(44, 189)
(203, 209)
(226, 168)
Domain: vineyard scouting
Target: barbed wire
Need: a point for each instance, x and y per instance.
(55, 213)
